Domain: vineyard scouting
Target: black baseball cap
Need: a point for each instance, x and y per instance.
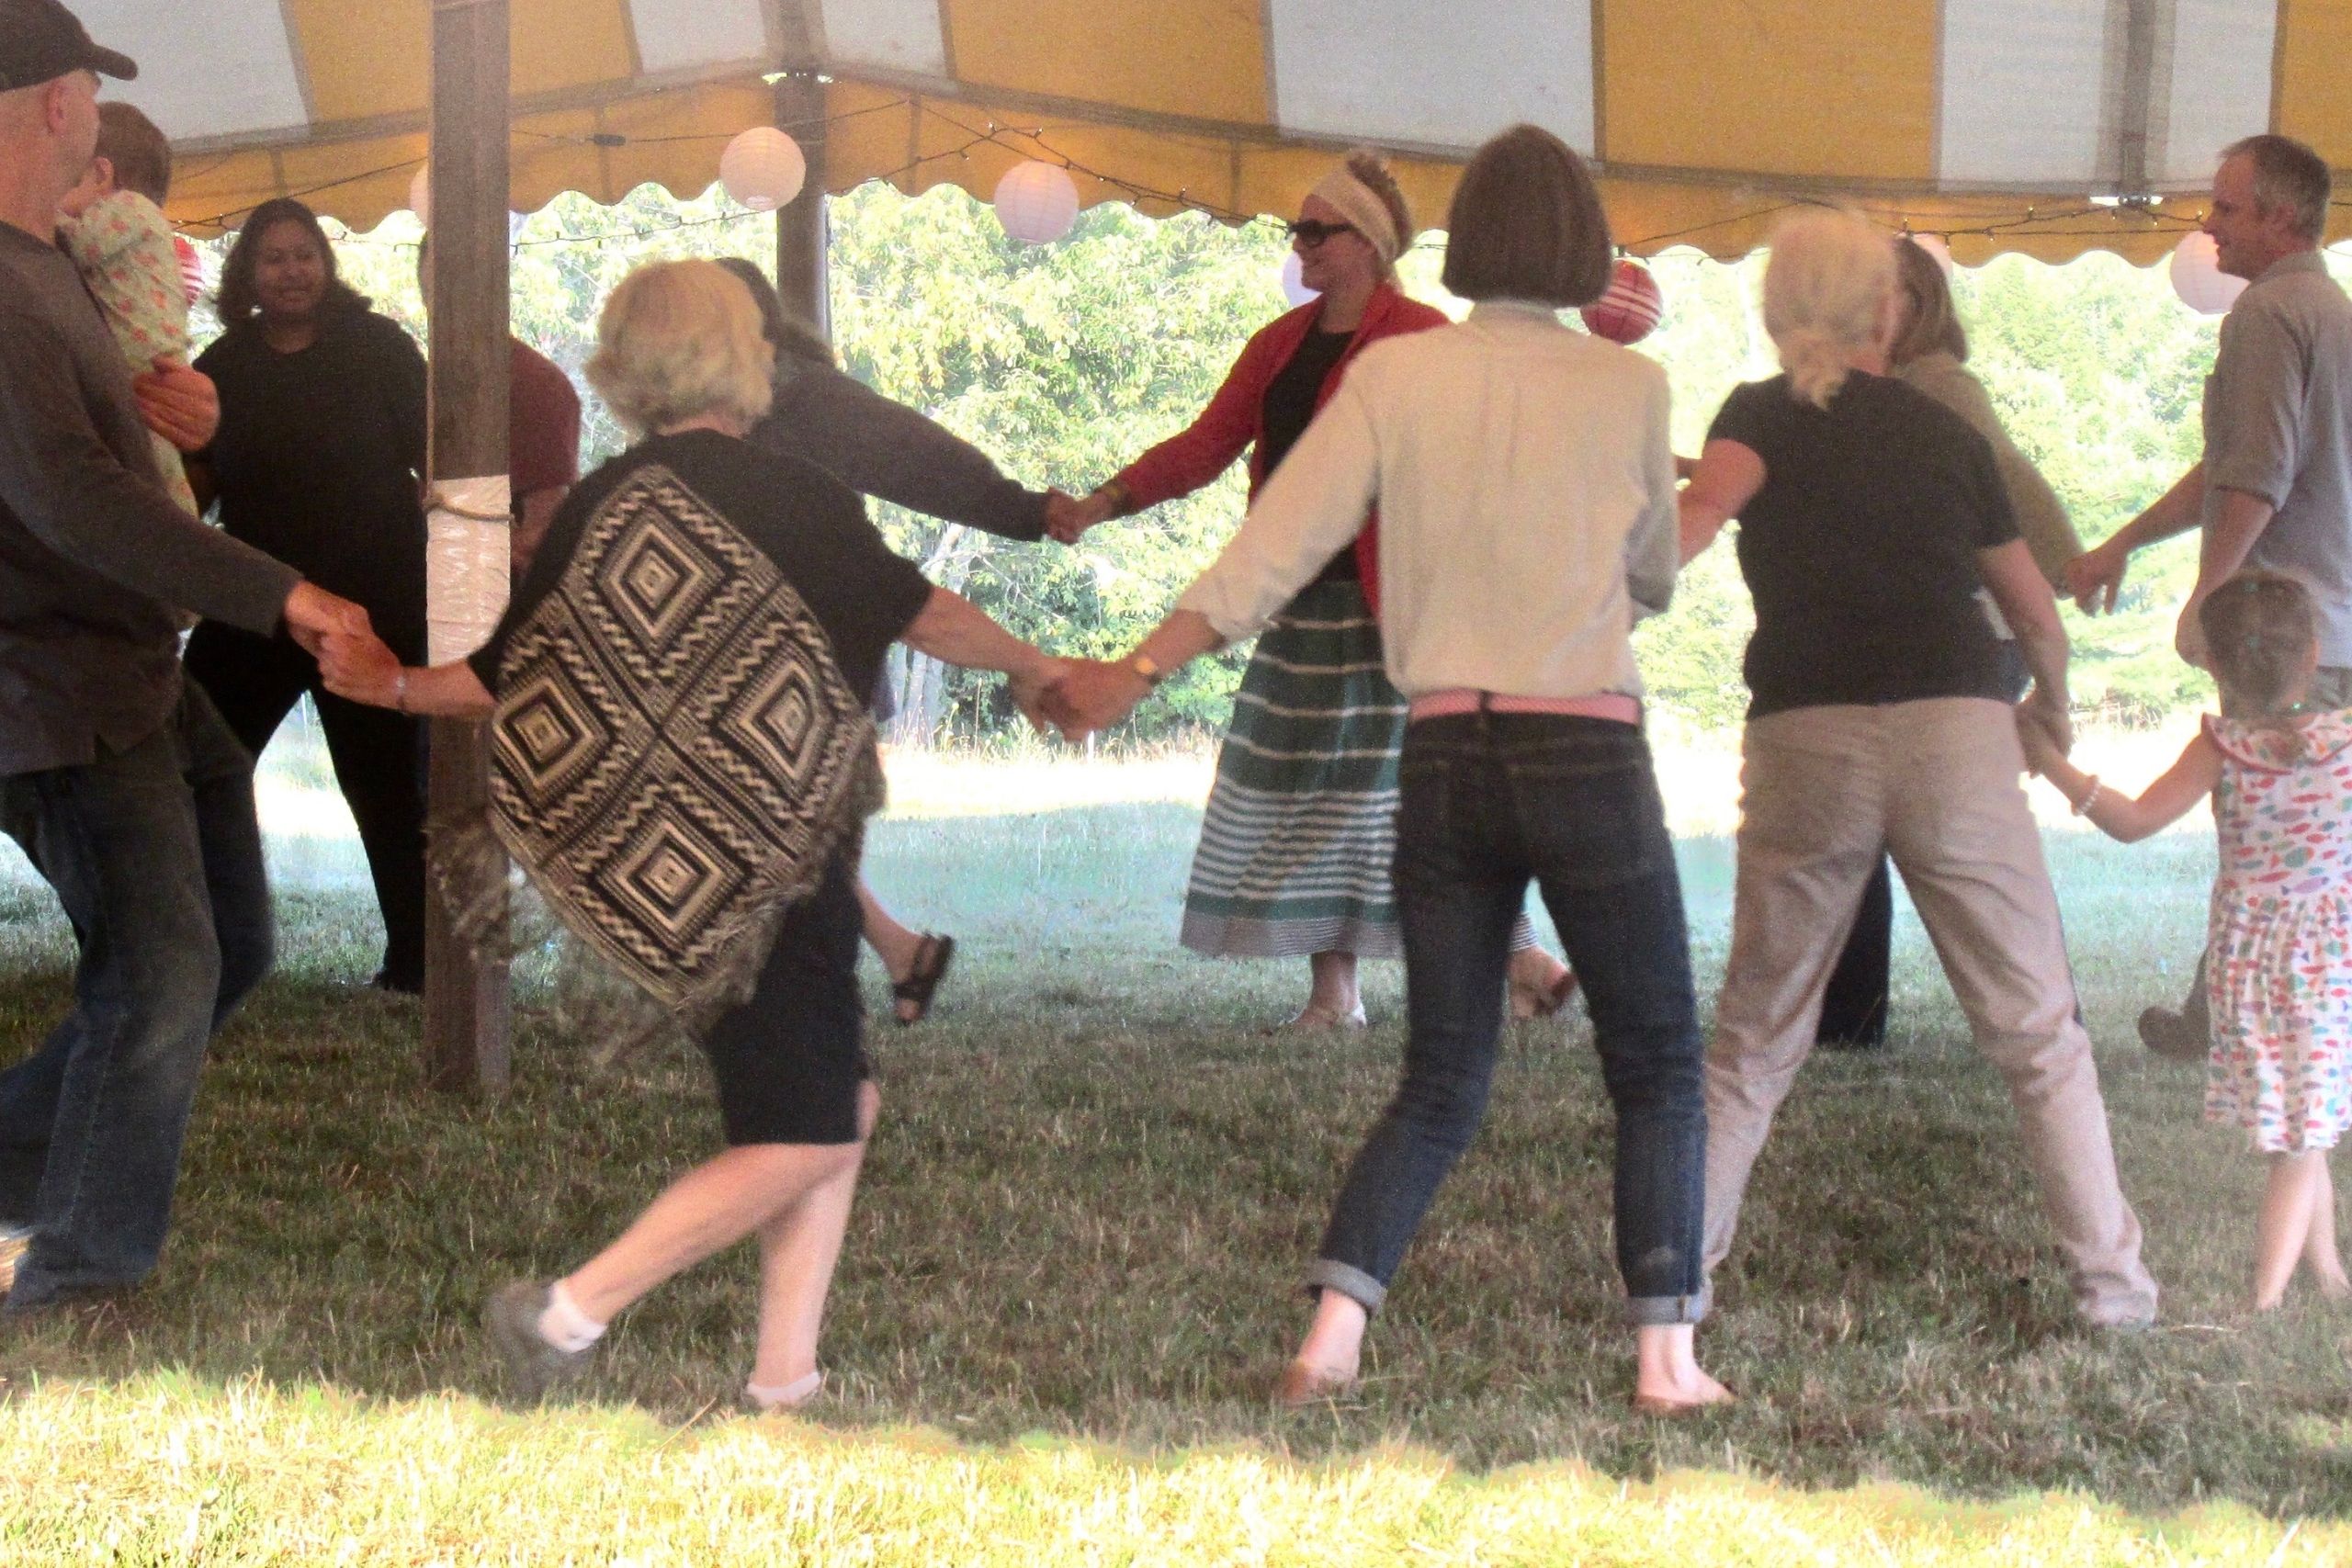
(41, 40)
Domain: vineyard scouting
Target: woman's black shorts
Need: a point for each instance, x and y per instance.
(789, 1061)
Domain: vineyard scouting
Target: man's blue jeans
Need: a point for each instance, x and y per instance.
(155, 855)
(1490, 801)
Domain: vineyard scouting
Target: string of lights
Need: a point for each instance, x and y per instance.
(1038, 143)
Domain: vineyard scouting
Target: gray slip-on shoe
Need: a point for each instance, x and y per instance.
(533, 1366)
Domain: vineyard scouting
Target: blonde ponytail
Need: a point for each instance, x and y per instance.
(1827, 291)
(1816, 362)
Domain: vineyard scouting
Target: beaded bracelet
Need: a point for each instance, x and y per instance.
(2090, 797)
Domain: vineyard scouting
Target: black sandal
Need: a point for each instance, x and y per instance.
(933, 955)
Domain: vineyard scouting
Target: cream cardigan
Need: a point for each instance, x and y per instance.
(1526, 495)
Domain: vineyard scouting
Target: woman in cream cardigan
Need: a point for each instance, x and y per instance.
(1513, 565)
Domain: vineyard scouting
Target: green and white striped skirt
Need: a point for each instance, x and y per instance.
(1302, 821)
(1301, 826)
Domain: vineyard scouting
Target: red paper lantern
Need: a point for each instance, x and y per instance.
(191, 268)
(1630, 309)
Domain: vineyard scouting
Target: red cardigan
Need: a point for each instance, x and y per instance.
(1184, 462)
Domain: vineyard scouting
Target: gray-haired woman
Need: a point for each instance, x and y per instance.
(682, 361)
(1931, 352)
(1879, 722)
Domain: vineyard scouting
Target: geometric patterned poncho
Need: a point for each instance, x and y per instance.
(674, 756)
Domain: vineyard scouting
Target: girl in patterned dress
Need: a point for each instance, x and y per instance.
(2280, 937)
(113, 227)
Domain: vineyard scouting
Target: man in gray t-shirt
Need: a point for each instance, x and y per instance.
(2274, 487)
(117, 778)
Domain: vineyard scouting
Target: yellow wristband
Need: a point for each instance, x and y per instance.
(1147, 667)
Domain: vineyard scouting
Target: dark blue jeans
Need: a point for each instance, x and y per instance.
(155, 855)
(1490, 801)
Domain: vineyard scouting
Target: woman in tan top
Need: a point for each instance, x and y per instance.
(1931, 352)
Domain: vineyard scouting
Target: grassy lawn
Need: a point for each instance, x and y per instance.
(1069, 1279)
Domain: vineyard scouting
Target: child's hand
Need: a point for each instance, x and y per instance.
(179, 404)
(2049, 713)
(2041, 748)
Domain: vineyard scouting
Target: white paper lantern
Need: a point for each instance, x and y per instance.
(2198, 277)
(420, 195)
(1294, 287)
(763, 168)
(1037, 203)
(1935, 246)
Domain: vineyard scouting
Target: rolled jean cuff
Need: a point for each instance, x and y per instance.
(1350, 1282)
(1661, 1312)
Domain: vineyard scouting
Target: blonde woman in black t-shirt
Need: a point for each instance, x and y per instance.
(1930, 353)
(1870, 516)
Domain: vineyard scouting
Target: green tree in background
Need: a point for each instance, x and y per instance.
(1066, 361)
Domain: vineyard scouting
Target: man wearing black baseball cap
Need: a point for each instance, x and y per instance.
(41, 40)
(121, 784)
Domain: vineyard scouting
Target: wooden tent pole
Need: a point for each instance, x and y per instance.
(802, 234)
(466, 998)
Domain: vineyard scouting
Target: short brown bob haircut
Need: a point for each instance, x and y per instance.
(141, 155)
(1527, 224)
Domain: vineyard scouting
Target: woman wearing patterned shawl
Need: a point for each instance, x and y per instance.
(681, 758)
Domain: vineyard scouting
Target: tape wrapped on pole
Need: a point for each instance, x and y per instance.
(468, 547)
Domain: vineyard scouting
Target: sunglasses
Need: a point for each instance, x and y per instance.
(1313, 230)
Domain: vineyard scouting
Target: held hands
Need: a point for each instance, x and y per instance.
(357, 665)
(2045, 729)
(179, 404)
(312, 615)
(1068, 517)
(2040, 750)
(2094, 579)
(1092, 695)
(1032, 692)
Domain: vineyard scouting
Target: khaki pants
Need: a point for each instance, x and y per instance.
(1935, 784)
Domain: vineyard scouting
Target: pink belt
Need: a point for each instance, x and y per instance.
(1612, 706)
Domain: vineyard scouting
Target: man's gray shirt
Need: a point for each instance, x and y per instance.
(2279, 425)
(825, 416)
(93, 555)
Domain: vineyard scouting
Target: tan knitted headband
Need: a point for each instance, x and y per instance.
(1363, 209)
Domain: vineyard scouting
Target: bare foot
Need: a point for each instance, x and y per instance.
(2336, 1286)
(1331, 1355)
(1694, 1391)
(1540, 984)
(1667, 1379)
(1302, 1384)
(1316, 1018)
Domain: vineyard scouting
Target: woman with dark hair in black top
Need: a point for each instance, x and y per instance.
(319, 461)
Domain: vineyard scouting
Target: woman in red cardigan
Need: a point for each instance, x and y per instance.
(1301, 825)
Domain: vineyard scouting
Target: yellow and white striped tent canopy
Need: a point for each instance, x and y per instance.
(2007, 124)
